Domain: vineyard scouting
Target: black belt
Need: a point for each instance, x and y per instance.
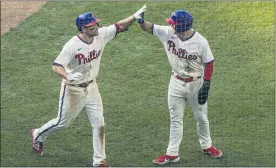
(189, 79)
(84, 85)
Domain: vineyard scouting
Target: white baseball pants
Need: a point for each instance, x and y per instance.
(72, 100)
(179, 94)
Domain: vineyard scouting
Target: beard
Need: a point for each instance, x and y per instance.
(92, 34)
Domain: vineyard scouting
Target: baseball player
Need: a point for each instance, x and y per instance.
(78, 65)
(192, 64)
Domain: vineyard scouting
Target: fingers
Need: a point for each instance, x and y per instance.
(144, 8)
(75, 76)
(137, 15)
(78, 75)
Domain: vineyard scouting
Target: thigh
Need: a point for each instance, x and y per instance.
(176, 99)
(200, 111)
(71, 102)
(193, 92)
(94, 105)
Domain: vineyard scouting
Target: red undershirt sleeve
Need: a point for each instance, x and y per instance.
(208, 70)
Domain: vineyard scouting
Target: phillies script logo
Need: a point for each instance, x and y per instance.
(181, 53)
(92, 55)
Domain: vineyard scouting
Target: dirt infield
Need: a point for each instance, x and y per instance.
(13, 13)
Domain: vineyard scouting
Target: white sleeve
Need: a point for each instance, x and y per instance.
(65, 55)
(162, 32)
(108, 33)
(207, 53)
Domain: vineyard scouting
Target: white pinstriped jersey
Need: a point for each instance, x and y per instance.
(79, 56)
(186, 57)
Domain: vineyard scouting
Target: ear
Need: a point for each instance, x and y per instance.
(83, 29)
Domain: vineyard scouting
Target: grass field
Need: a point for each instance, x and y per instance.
(133, 82)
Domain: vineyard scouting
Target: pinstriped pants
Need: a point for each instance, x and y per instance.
(179, 94)
(72, 100)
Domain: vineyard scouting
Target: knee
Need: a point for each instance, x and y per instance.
(97, 122)
(176, 115)
(202, 119)
(176, 124)
(64, 123)
(176, 120)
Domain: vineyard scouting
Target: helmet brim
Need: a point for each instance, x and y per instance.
(92, 23)
(170, 21)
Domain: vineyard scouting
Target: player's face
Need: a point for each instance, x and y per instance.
(173, 26)
(91, 30)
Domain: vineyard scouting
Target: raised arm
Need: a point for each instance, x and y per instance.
(145, 25)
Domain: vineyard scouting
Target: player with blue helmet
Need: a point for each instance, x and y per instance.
(78, 65)
(191, 61)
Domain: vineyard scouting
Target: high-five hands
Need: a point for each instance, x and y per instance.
(138, 14)
(141, 20)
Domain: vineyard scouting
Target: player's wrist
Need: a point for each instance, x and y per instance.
(141, 20)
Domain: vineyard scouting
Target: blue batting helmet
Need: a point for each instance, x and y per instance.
(181, 19)
(86, 19)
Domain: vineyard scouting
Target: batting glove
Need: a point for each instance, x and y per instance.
(137, 15)
(141, 21)
(74, 76)
(203, 92)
